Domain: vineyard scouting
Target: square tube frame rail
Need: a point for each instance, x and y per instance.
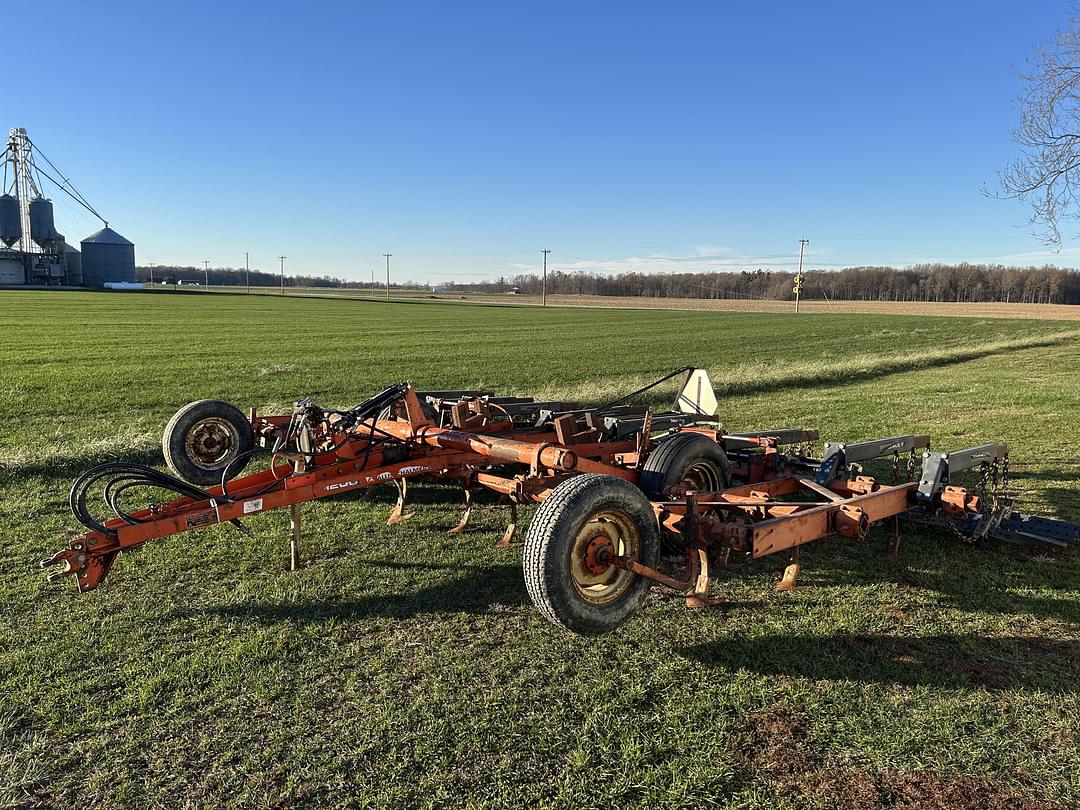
(789, 499)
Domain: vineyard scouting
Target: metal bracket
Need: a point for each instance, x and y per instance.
(837, 455)
(937, 467)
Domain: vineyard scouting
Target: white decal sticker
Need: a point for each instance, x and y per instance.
(390, 476)
(342, 485)
(252, 506)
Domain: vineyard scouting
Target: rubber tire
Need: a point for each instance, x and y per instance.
(548, 545)
(173, 440)
(667, 464)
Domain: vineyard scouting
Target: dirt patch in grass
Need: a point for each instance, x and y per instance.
(775, 747)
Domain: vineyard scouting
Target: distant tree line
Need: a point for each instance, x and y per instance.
(233, 277)
(922, 282)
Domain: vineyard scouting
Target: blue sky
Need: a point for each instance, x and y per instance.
(464, 137)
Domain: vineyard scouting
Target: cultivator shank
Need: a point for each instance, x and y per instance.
(611, 482)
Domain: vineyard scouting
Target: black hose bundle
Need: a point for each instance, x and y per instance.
(122, 477)
(373, 406)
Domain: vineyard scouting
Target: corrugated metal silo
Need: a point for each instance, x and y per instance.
(10, 221)
(74, 265)
(42, 228)
(107, 256)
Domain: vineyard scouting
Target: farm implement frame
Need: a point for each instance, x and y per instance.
(628, 496)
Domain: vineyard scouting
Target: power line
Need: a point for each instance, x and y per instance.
(74, 193)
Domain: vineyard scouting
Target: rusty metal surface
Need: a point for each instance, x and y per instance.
(778, 534)
(786, 498)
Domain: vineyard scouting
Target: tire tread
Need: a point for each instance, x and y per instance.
(541, 568)
(176, 465)
(654, 472)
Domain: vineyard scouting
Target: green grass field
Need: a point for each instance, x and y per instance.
(405, 667)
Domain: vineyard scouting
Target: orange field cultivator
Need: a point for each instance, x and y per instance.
(628, 496)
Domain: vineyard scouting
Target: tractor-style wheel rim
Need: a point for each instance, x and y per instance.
(211, 443)
(610, 532)
(701, 476)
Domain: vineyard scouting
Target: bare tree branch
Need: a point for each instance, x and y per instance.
(1047, 173)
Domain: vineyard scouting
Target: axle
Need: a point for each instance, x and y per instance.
(533, 451)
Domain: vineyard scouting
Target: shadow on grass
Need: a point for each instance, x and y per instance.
(825, 378)
(952, 661)
(898, 366)
(480, 589)
(1066, 502)
(987, 577)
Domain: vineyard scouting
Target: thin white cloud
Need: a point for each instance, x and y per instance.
(703, 258)
(1060, 258)
(712, 250)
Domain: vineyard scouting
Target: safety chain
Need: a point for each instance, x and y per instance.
(993, 486)
(984, 477)
(970, 539)
(911, 466)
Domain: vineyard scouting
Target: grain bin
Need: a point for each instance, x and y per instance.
(73, 259)
(107, 256)
(42, 228)
(10, 220)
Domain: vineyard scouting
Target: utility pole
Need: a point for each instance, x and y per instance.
(206, 273)
(283, 258)
(799, 276)
(543, 289)
(247, 272)
(151, 274)
(388, 255)
(373, 278)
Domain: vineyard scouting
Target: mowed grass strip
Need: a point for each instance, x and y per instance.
(404, 666)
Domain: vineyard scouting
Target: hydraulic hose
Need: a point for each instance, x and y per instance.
(120, 478)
